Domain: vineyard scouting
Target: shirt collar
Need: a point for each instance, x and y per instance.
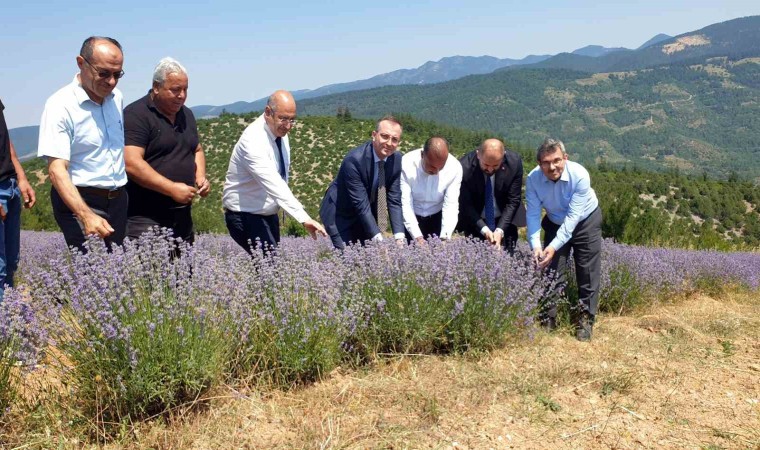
(81, 94)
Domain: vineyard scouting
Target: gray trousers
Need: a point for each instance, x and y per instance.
(586, 243)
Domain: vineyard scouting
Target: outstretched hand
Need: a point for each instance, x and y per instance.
(314, 228)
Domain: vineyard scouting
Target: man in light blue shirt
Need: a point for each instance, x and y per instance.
(82, 136)
(573, 221)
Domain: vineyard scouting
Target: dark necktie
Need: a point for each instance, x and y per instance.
(488, 208)
(283, 173)
(382, 200)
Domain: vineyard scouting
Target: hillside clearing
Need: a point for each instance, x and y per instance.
(672, 376)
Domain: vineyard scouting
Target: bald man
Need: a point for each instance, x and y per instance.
(430, 181)
(256, 186)
(490, 197)
(82, 136)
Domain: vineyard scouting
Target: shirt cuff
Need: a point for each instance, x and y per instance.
(499, 230)
(378, 237)
(401, 236)
(484, 230)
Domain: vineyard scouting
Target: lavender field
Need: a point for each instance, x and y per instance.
(132, 335)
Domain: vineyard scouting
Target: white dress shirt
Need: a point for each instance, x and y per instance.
(253, 182)
(423, 194)
(88, 135)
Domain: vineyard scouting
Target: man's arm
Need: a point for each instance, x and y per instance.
(27, 193)
(514, 197)
(357, 195)
(450, 212)
(266, 173)
(143, 174)
(58, 170)
(201, 182)
(467, 206)
(407, 209)
(394, 200)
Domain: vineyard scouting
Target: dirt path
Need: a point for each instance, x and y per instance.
(676, 376)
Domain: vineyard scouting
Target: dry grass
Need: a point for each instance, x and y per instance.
(683, 375)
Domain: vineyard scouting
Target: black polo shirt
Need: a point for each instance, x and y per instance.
(169, 150)
(6, 165)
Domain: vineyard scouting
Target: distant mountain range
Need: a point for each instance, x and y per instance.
(25, 141)
(445, 69)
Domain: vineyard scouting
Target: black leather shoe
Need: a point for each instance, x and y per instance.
(584, 327)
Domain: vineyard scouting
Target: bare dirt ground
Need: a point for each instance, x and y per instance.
(685, 375)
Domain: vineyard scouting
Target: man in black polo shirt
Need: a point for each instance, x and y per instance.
(164, 159)
(13, 188)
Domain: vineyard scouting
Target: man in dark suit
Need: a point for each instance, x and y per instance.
(366, 195)
(490, 196)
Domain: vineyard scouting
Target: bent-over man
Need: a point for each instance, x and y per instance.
(491, 194)
(430, 182)
(365, 196)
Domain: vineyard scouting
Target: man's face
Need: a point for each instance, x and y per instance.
(490, 161)
(433, 162)
(553, 164)
(99, 73)
(171, 94)
(281, 119)
(385, 138)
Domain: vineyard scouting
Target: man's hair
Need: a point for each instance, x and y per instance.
(389, 118)
(165, 67)
(429, 143)
(549, 146)
(89, 43)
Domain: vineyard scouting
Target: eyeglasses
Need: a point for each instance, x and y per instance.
(388, 137)
(104, 74)
(555, 163)
(285, 120)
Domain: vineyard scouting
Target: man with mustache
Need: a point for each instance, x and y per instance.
(165, 162)
(82, 136)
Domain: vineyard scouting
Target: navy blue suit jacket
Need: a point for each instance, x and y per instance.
(348, 208)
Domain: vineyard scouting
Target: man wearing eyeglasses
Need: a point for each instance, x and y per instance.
(257, 179)
(82, 136)
(165, 162)
(365, 196)
(573, 221)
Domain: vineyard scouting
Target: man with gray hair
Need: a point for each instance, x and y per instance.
(256, 186)
(164, 159)
(573, 221)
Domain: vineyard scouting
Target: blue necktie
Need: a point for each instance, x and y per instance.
(283, 174)
(488, 209)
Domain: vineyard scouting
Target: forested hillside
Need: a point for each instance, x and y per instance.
(641, 207)
(695, 118)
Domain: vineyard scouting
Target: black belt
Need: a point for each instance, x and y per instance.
(100, 192)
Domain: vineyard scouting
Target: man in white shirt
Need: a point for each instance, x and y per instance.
(82, 136)
(430, 181)
(256, 186)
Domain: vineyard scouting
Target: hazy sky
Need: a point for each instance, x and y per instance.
(243, 50)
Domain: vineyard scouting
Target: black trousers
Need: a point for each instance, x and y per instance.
(430, 225)
(178, 219)
(113, 209)
(246, 228)
(586, 244)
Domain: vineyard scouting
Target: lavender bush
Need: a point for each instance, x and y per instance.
(138, 333)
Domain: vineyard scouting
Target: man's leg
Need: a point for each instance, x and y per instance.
(67, 221)
(115, 212)
(10, 233)
(182, 224)
(139, 225)
(587, 252)
(246, 229)
(557, 272)
(430, 225)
